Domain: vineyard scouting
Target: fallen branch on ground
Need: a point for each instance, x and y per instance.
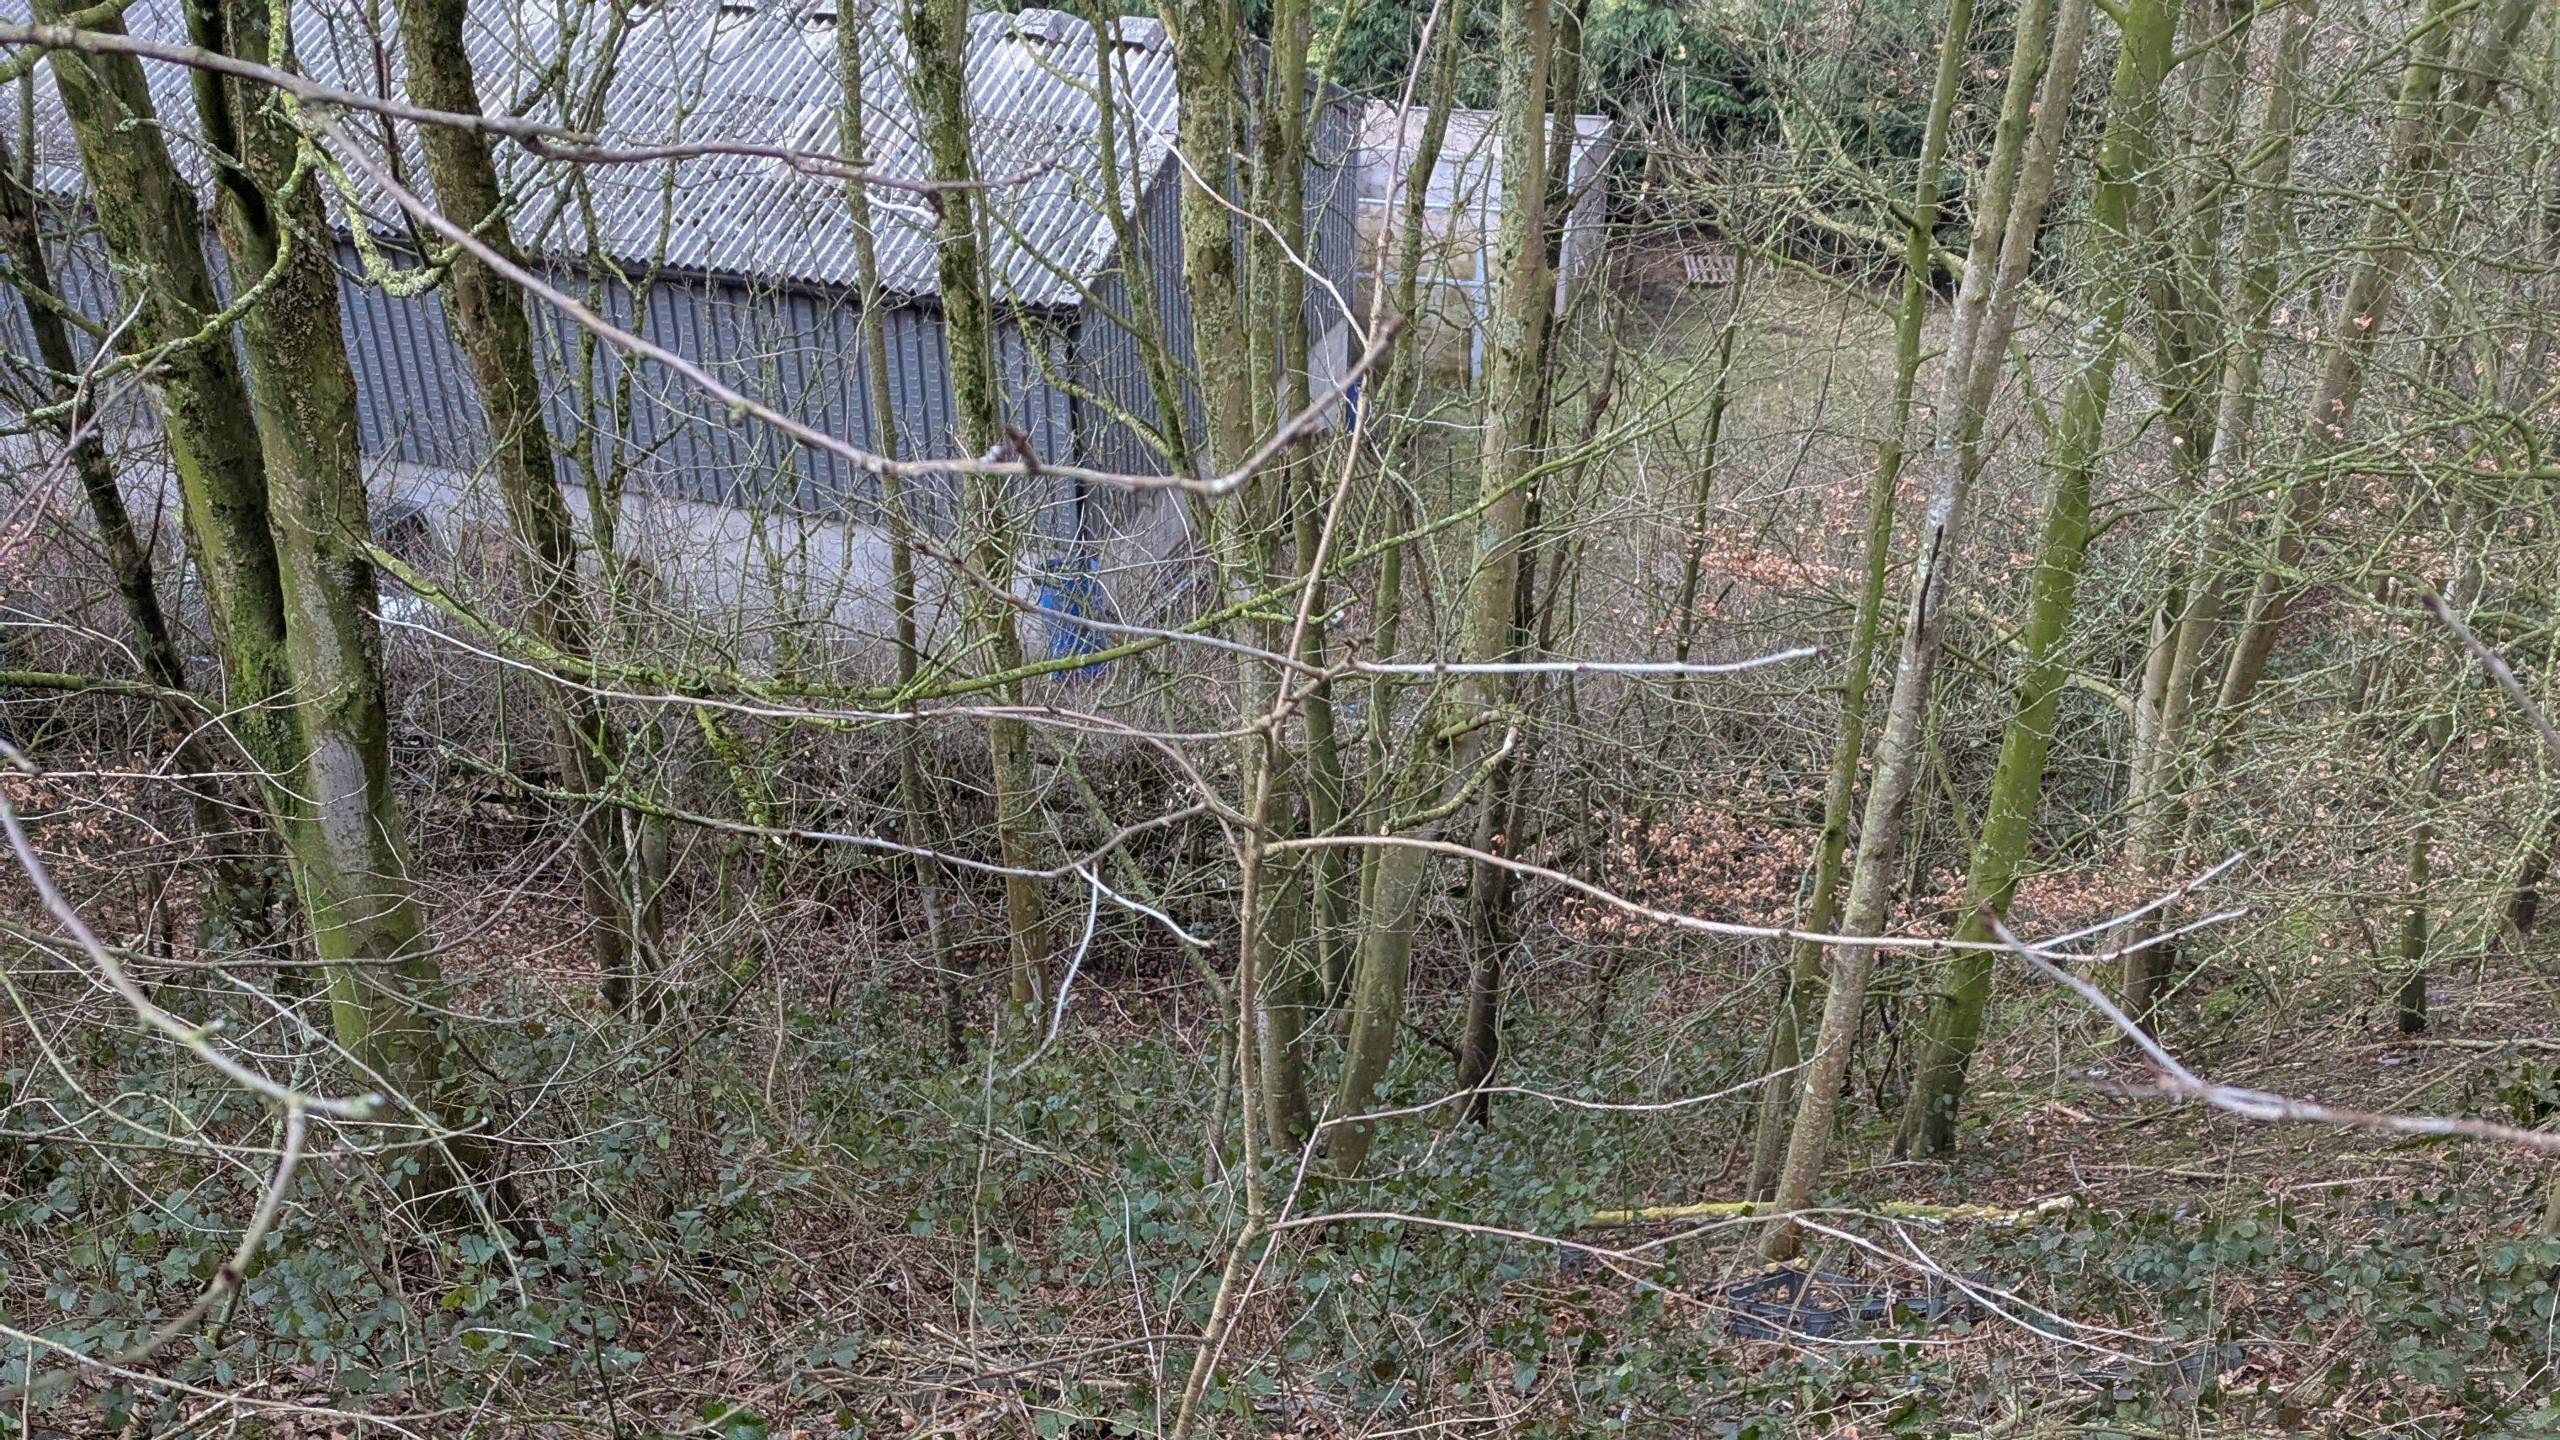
(2175, 1081)
(2036, 1213)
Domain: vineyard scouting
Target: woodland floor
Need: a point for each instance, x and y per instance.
(852, 1239)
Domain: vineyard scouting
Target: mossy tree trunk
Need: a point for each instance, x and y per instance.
(2126, 163)
(1398, 384)
(352, 845)
(938, 37)
(1274, 545)
(1490, 889)
(147, 216)
(2044, 67)
(915, 787)
(276, 522)
(239, 913)
(1206, 47)
(1519, 318)
(1840, 787)
(497, 337)
(2159, 788)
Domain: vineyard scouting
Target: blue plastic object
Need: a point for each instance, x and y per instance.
(1070, 591)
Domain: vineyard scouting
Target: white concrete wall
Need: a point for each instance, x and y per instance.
(728, 581)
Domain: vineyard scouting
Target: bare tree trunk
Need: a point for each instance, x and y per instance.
(1398, 384)
(2184, 289)
(2425, 135)
(2409, 998)
(1702, 489)
(148, 218)
(1822, 906)
(2021, 179)
(938, 34)
(2524, 895)
(1523, 307)
(915, 790)
(1278, 541)
(497, 337)
(1489, 887)
(385, 986)
(2126, 161)
(2160, 785)
(240, 903)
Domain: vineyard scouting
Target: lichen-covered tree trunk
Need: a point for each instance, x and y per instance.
(1523, 305)
(938, 35)
(1398, 383)
(1274, 545)
(2021, 177)
(1848, 747)
(497, 337)
(2126, 163)
(915, 789)
(2159, 790)
(1205, 53)
(240, 902)
(148, 218)
(352, 846)
(1239, 535)
(2183, 291)
(1490, 891)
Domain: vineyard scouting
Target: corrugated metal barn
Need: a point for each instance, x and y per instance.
(745, 264)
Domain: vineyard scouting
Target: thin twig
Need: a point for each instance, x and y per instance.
(2499, 670)
(195, 1039)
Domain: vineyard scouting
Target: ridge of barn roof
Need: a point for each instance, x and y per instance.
(766, 74)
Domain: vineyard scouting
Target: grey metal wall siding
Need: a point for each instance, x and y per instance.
(1333, 184)
(415, 399)
(796, 347)
(571, 397)
(379, 401)
(1033, 367)
(1110, 363)
(688, 458)
(913, 350)
(1029, 352)
(1111, 372)
(798, 351)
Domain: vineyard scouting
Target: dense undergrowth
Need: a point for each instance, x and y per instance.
(789, 1214)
